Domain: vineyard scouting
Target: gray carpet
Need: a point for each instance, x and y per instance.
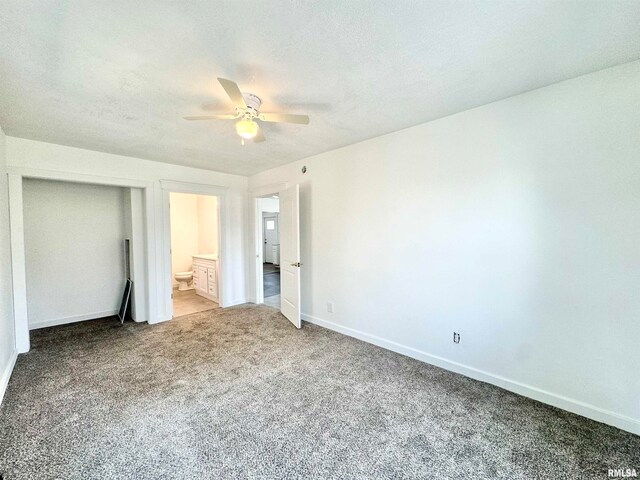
(239, 393)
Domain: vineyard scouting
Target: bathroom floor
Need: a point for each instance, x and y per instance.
(187, 302)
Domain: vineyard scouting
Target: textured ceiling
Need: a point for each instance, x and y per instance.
(118, 76)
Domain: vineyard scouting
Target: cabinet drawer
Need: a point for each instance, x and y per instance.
(213, 289)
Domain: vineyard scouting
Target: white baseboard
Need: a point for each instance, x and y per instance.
(72, 319)
(575, 406)
(159, 320)
(233, 303)
(6, 374)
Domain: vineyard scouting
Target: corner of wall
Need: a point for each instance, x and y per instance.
(8, 352)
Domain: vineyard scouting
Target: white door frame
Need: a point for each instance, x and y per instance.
(255, 194)
(16, 175)
(169, 186)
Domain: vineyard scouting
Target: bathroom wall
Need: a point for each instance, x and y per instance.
(207, 224)
(194, 229)
(74, 251)
(184, 231)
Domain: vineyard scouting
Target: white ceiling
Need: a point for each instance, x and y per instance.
(118, 76)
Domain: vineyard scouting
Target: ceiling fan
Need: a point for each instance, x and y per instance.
(247, 112)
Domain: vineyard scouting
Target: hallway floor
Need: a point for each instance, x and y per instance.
(273, 301)
(271, 284)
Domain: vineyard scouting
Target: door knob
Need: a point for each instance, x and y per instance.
(298, 264)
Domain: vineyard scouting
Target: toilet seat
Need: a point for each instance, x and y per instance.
(183, 279)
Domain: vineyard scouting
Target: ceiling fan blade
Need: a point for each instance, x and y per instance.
(259, 136)
(211, 117)
(284, 117)
(233, 91)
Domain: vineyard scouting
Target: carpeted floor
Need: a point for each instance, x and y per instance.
(240, 393)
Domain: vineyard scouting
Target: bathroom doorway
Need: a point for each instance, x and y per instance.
(269, 208)
(195, 273)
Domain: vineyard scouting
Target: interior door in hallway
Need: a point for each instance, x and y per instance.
(290, 254)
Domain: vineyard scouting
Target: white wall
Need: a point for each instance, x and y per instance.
(516, 224)
(268, 204)
(184, 231)
(25, 156)
(74, 236)
(7, 335)
(207, 224)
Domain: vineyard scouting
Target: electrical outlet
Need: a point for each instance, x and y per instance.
(456, 337)
(330, 307)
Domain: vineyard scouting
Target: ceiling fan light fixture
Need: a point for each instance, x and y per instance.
(247, 128)
(247, 110)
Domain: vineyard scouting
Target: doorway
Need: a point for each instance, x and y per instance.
(285, 201)
(195, 252)
(270, 209)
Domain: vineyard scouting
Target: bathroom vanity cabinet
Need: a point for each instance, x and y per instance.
(205, 276)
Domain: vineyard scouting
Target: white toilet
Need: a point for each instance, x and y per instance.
(183, 279)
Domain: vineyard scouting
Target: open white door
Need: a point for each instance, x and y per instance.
(290, 254)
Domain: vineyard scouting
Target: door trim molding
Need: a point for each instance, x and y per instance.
(256, 294)
(263, 190)
(16, 225)
(164, 245)
(73, 177)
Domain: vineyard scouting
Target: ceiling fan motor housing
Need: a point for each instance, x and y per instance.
(253, 101)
